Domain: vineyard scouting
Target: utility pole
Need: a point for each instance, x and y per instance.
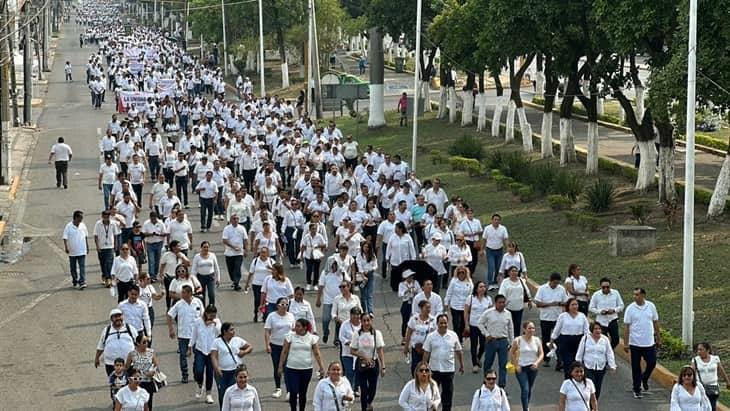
(315, 65)
(225, 43)
(261, 49)
(5, 59)
(308, 62)
(9, 34)
(45, 20)
(415, 85)
(27, 70)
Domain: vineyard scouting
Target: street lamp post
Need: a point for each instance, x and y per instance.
(225, 43)
(415, 85)
(261, 49)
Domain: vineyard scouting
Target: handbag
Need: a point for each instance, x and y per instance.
(712, 390)
(362, 365)
(159, 379)
(525, 295)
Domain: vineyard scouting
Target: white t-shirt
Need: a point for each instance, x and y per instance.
(132, 400)
(75, 237)
(237, 237)
(280, 326)
(495, 237)
(331, 283)
(61, 152)
(443, 349)
(300, 350)
(260, 269)
(366, 344)
(707, 370)
(640, 319)
(226, 361)
(276, 289)
(577, 394)
(108, 173)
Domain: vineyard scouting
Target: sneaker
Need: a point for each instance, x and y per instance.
(307, 287)
(199, 392)
(287, 396)
(546, 364)
(75, 285)
(316, 288)
(184, 380)
(645, 385)
(475, 369)
(209, 399)
(325, 338)
(82, 286)
(637, 395)
(276, 393)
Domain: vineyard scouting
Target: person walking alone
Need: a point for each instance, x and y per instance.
(76, 245)
(61, 153)
(641, 322)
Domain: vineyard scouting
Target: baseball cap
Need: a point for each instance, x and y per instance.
(115, 311)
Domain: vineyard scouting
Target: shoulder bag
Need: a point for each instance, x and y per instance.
(710, 389)
(362, 365)
(334, 396)
(525, 294)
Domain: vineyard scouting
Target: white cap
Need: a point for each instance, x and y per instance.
(407, 273)
(437, 236)
(115, 311)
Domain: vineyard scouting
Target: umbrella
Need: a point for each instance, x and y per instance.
(421, 268)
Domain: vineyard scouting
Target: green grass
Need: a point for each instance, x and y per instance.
(551, 245)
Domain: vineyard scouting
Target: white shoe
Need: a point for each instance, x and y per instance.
(316, 288)
(209, 399)
(287, 396)
(199, 392)
(308, 287)
(276, 393)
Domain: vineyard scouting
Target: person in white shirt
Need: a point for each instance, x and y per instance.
(180, 170)
(709, 368)
(366, 262)
(226, 356)
(136, 312)
(187, 310)
(474, 307)
(208, 191)
(132, 397)
(278, 325)
(334, 392)
(460, 289)
(437, 196)
(180, 230)
(570, 328)
(596, 354)
(420, 325)
(471, 229)
(641, 330)
(493, 239)
(577, 392)
(299, 355)
(205, 331)
(107, 174)
(367, 346)
(420, 393)
(435, 254)
(205, 268)
(61, 154)
(235, 239)
(301, 308)
(116, 341)
(576, 285)
(312, 249)
(136, 171)
(517, 294)
(105, 236)
(550, 299)
(385, 230)
(606, 304)
(496, 327)
(155, 233)
(490, 397)
(241, 396)
(400, 249)
(440, 349)
(526, 354)
(437, 304)
(341, 306)
(688, 394)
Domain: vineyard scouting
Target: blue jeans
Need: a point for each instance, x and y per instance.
(405, 316)
(497, 348)
(106, 260)
(312, 266)
(182, 345)
(154, 162)
(326, 319)
(207, 282)
(415, 359)
(203, 367)
(226, 379)
(368, 380)
(348, 367)
(275, 357)
(526, 378)
(78, 277)
(494, 259)
(366, 294)
(107, 191)
(154, 252)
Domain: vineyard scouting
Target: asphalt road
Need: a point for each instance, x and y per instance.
(49, 330)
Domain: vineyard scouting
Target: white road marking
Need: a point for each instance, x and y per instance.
(62, 255)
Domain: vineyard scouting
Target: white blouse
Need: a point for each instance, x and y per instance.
(237, 399)
(514, 292)
(577, 394)
(485, 399)
(124, 269)
(328, 396)
(596, 354)
(413, 399)
(569, 325)
(478, 307)
(275, 289)
(458, 292)
(260, 269)
(206, 266)
(529, 351)
(516, 260)
(303, 310)
(682, 400)
(707, 370)
(580, 285)
(420, 329)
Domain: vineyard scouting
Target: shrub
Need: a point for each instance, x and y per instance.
(568, 184)
(589, 222)
(470, 165)
(640, 212)
(571, 217)
(503, 182)
(495, 172)
(526, 194)
(436, 157)
(542, 177)
(495, 159)
(559, 202)
(516, 165)
(467, 146)
(599, 197)
(672, 347)
(515, 187)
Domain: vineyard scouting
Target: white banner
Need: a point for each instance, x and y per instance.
(135, 67)
(166, 87)
(138, 98)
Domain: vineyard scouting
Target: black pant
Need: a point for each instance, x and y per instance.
(583, 307)
(546, 328)
(233, 264)
(612, 331)
(649, 356)
(567, 349)
(405, 315)
(474, 257)
(457, 320)
(312, 270)
(248, 179)
(297, 382)
(446, 381)
(123, 289)
(597, 377)
(206, 212)
(476, 339)
(368, 380)
(181, 186)
(61, 173)
(137, 188)
(167, 280)
(169, 175)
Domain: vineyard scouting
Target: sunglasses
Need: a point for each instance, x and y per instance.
(343, 286)
(125, 248)
(135, 378)
(490, 378)
(424, 370)
(283, 305)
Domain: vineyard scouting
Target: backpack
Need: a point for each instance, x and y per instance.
(109, 329)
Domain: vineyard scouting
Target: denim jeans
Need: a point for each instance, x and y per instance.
(366, 294)
(405, 315)
(275, 357)
(368, 380)
(494, 259)
(476, 344)
(497, 348)
(181, 186)
(649, 356)
(203, 367)
(297, 382)
(526, 378)
(383, 263)
(233, 264)
(415, 359)
(206, 212)
(154, 162)
(107, 191)
(597, 377)
(326, 319)
(182, 345)
(78, 277)
(348, 368)
(106, 260)
(154, 252)
(446, 381)
(222, 383)
(312, 266)
(207, 282)
(219, 209)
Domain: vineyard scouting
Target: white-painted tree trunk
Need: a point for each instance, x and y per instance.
(467, 109)
(497, 116)
(586, 87)
(719, 196)
(482, 114)
(526, 130)
(639, 103)
(592, 148)
(425, 92)
(284, 75)
(567, 142)
(667, 189)
(539, 84)
(546, 131)
(647, 165)
(509, 135)
(377, 109)
(599, 106)
(443, 102)
(250, 60)
(452, 105)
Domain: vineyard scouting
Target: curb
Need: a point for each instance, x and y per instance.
(12, 194)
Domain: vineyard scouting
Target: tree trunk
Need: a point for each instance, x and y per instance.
(667, 136)
(377, 75)
(452, 104)
(539, 84)
(482, 103)
(500, 101)
(567, 142)
(645, 177)
(443, 94)
(282, 57)
(644, 133)
(525, 130)
(592, 158)
(425, 94)
(467, 97)
(719, 195)
(509, 134)
(639, 101)
(599, 106)
(551, 88)
(426, 70)
(515, 82)
(638, 87)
